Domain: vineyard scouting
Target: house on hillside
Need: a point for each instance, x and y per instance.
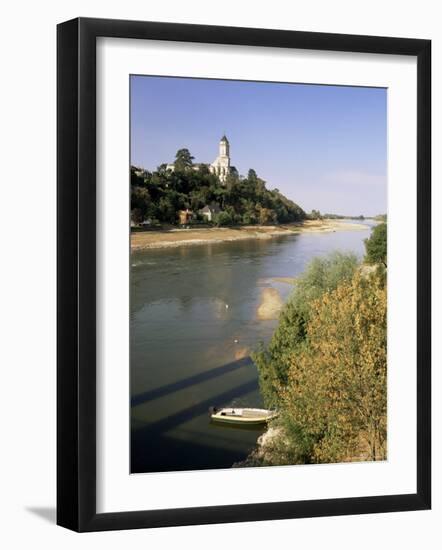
(210, 211)
(185, 216)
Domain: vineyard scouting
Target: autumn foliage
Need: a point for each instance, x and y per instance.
(336, 391)
(333, 395)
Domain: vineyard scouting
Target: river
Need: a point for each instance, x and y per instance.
(193, 324)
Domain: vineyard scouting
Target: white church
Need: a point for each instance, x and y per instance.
(220, 166)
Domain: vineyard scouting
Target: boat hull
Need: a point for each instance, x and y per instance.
(242, 417)
(239, 422)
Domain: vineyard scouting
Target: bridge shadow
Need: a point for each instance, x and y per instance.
(190, 381)
(198, 409)
(154, 450)
(172, 455)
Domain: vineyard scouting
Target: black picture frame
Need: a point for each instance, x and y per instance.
(76, 274)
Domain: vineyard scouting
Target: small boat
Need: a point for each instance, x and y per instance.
(241, 416)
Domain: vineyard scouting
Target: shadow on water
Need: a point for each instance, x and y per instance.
(187, 414)
(169, 454)
(187, 382)
(154, 451)
(235, 427)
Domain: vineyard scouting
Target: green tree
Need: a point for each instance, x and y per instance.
(315, 215)
(273, 362)
(251, 175)
(333, 401)
(223, 218)
(167, 212)
(136, 215)
(336, 393)
(376, 245)
(135, 178)
(231, 180)
(234, 172)
(249, 218)
(266, 216)
(141, 201)
(162, 193)
(183, 160)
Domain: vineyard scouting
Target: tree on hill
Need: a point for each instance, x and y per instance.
(314, 215)
(135, 178)
(136, 215)
(251, 175)
(376, 245)
(183, 159)
(161, 194)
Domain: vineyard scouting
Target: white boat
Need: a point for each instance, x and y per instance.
(242, 415)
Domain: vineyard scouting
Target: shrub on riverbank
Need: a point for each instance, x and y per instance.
(376, 245)
(335, 397)
(273, 362)
(326, 367)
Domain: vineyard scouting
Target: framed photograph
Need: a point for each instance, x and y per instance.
(243, 274)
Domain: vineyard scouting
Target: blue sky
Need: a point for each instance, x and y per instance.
(325, 147)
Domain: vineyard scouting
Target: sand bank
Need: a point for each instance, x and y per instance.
(189, 237)
(270, 306)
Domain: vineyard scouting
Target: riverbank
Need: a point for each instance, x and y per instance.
(188, 237)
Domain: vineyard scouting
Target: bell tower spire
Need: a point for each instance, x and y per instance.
(221, 165)
(224, 147)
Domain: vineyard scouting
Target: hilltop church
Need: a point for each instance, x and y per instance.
(220, 166)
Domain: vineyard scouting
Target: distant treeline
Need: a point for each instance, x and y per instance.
(341, 217)
(316, 215)
(159, 196)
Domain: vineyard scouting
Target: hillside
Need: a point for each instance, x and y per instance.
(158, 197)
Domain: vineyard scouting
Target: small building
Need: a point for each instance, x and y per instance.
(185, 216)
(195, 167)
(210, 211)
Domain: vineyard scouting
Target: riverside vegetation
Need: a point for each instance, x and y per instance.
(160, 195)
(325, 368)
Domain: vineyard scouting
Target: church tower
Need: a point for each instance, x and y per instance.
(221, 166)
(224, 147)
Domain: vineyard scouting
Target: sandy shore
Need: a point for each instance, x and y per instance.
(270, 306)
(189, 237)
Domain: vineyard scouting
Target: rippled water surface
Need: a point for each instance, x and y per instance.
(194, 321)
